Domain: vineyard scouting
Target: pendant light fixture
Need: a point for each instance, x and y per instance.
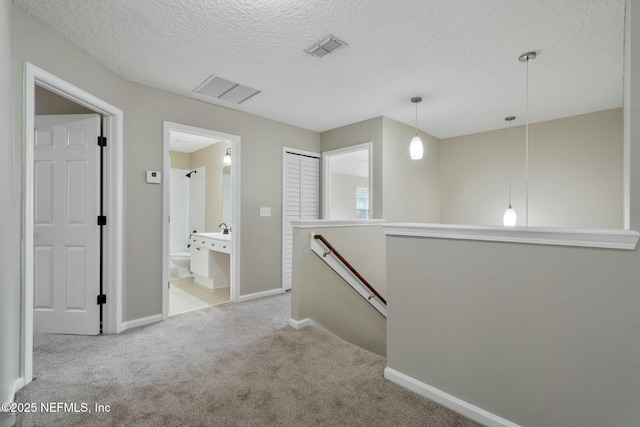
(415, 148)
(526, 57)
(227, 157)
(509, 219)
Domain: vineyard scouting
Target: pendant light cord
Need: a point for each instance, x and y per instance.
(526, 154)
(416, 119)
(509, 160)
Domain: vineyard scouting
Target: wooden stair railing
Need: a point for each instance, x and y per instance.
(337, 254)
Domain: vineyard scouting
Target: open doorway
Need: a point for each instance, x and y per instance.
(202, 233)
(347, 181)
(43, 87)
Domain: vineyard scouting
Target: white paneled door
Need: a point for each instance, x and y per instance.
(66, 234)
(301, 200)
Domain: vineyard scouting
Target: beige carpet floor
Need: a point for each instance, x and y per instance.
(227, 365)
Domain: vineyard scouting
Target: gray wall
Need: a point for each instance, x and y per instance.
(48, 103)
(575, 173)
(539, 335)
(318, 293)
(358, 133)
(411, 187)
(9, 221)
(145, 110)
(403, 189)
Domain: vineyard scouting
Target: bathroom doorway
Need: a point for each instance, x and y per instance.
(201, 203)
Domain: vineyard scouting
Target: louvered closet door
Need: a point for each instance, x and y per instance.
(301, 201)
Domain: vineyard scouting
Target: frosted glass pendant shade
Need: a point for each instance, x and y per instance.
(509, 219)
(415, 148)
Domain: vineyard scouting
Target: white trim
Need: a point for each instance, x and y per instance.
(235, 140)
(143, 321)
(15, 385)
(333, 223)
(113, 245)
(609, 239)
(445, 399)
(326, 177)
(286, 150)
(347, 275)
(249, 297)
(8, 419)
(626, 123)
(299, 324)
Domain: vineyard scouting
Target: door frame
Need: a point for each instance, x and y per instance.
(234, 286)
(113, 179)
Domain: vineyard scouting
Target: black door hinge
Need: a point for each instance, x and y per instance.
(102, 220)
(102, 299)
(102, 141)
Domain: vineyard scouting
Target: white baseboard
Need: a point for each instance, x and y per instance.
(262, 294)
(16, 385)
(445, 399)
(141, 322)
(299, 324)
(9, 419)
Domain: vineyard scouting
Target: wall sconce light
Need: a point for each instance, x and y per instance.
(227, 157)
(416, 148)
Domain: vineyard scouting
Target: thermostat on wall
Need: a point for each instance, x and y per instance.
(154, 177)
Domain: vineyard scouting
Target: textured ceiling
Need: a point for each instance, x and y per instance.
(461, 56)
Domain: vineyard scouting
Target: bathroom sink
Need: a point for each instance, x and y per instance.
(217, 236)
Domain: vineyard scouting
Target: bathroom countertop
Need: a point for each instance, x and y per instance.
(218, 236)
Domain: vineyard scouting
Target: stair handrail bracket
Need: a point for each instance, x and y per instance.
(326, 252)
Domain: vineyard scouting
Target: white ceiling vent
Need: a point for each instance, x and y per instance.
(224, 89)
(327, 45)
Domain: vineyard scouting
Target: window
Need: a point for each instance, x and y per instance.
(362, 203)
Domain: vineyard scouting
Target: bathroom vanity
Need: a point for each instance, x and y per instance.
(211, 259)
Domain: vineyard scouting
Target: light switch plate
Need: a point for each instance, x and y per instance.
(265, 211)
(154, 177)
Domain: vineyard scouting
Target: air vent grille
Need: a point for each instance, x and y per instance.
(226, 90)
(327, 45)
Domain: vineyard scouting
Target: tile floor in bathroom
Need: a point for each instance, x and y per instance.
(187, 296)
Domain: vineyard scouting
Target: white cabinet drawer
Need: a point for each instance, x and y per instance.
(211, 244)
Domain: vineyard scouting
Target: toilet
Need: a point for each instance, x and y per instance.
(183, 261)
